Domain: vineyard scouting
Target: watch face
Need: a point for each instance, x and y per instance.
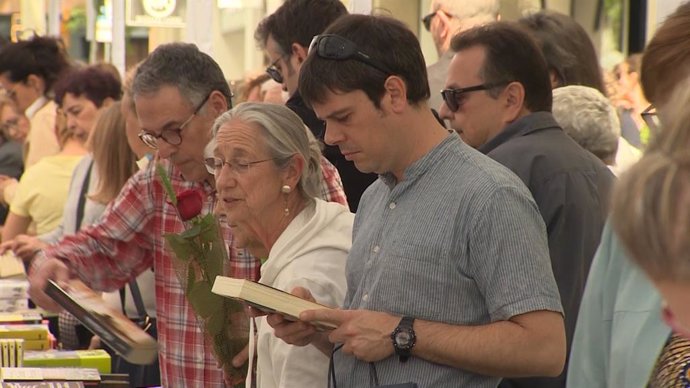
(403, 338)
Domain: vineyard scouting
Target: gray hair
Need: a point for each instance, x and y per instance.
(480, 11)
(589, 118)
(182, 65)
(285, 135)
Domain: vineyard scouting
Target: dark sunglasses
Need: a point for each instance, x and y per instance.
(452, 96)
(330, 46)
(274, 73)
(426, 20)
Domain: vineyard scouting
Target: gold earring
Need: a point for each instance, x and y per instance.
(286, 190)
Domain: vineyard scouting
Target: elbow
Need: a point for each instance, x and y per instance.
(553, 353)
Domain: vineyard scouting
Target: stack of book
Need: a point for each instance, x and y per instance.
(49, 377)
(11, 352)
(35, 336)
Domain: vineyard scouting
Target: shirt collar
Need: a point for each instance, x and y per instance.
(35, 106)
(422, 165)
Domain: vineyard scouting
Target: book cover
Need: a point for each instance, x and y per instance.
(11, 266)
(12, 352)
(41, 374)
(36, 331)
(266, 298)
(5, 344)
(43, 384)
(40, 344)
(22, 316)
(97, 358)
(114, 329)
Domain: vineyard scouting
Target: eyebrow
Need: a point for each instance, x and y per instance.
(336, 113)
(173, 124)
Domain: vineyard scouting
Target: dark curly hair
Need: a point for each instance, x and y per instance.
(92, 82)
(44, 57)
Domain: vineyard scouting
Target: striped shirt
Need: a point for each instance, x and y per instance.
(128, 240)
(460, 241)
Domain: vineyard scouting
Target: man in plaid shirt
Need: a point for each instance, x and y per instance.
(178, 91)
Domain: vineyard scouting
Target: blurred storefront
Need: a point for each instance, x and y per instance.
(124, 31)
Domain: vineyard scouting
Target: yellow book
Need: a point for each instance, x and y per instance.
(38, 344)
(37, 331)
(12, 352)
(20, 352)
(5, 343)
(98, 358)
(26, 316)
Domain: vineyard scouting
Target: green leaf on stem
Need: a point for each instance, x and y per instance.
(205, 303)
(179, 245)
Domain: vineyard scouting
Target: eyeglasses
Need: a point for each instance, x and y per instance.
(651, 119)
(452, 96)
(426, 20)
(274, 73)
(214, 164)
(172, 136)
(670, 319)
(330, 46)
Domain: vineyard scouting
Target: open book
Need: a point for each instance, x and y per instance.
(115, 329)
(267, 298)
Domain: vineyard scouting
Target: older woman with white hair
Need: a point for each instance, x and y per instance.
(591, 120)
(268, 174)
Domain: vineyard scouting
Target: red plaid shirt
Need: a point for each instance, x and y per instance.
(127, 240)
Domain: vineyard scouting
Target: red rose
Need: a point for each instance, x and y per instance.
(189, 204)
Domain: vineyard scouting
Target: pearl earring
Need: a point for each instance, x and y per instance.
(286, 190)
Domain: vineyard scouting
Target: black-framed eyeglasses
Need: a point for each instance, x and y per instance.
(331, 46)
(237, 167)
(452, 96)
(650, 118)
(273, 71)
(172, 136)
(426, 20)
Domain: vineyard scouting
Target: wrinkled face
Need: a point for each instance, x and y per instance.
(287, 65)
(478, 117)
(21, 93)
(15, 125)
(360, 131)
(676, 295)
(168, 109)
(248, 183)
(81, 114)
(132, 128)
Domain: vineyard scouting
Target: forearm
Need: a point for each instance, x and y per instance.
(515, 348)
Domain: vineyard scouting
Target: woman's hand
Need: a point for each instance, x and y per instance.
(24, 246)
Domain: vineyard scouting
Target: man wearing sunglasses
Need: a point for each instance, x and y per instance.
(285, 36)
(498, 98)
(445, 19)
(449, 281)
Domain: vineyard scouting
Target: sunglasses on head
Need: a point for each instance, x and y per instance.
(330, 46)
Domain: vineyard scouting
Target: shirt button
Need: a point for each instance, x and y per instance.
(392, 205)
(365, 297)
(376, 249)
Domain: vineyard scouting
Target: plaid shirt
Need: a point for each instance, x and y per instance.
(127, 240)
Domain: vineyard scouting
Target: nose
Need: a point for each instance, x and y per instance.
(445, 112)
(225, 178)
(71, 121)
(165, 150)
(333, 135)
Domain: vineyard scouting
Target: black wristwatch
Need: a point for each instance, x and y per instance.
(404, 338)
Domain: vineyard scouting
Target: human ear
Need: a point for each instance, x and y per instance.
(293, 171)
(514, 100)
(300, 52)
(396, 93)
(217, 103)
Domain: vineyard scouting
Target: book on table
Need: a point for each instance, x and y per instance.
(267, 298)
(11, 266)
(113, 327)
